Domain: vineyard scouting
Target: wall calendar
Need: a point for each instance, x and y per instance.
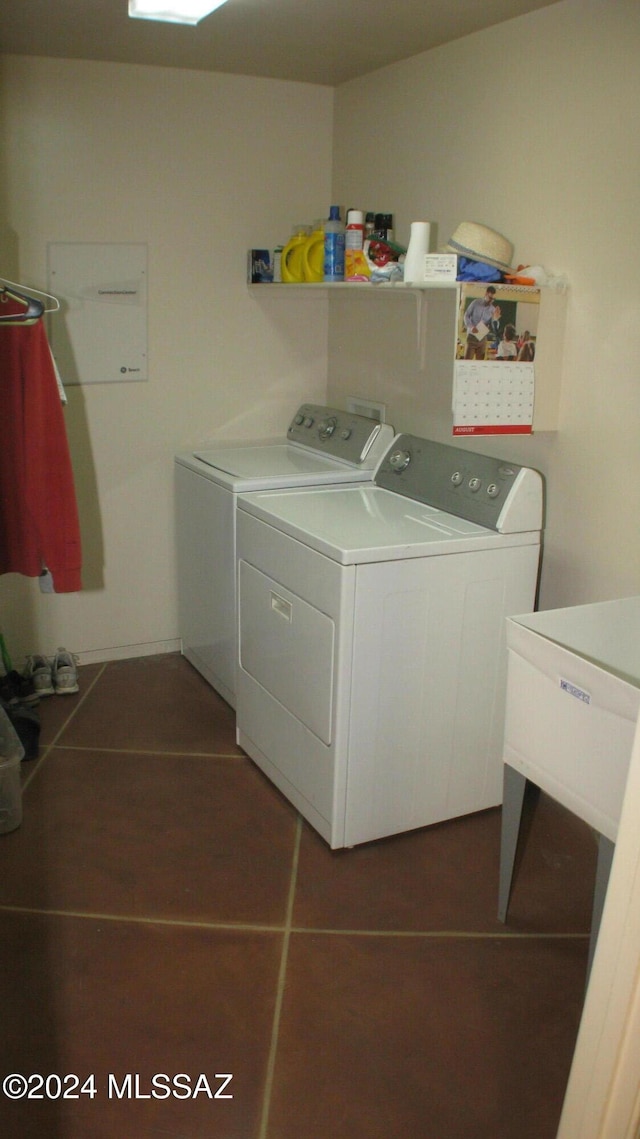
(494, 369)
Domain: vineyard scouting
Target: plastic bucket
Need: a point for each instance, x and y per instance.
(11, 753)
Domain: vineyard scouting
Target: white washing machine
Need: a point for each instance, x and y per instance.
(323, 446)
(372, 653)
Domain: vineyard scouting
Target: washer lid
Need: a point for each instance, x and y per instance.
(259, 462)
(354, 525)
(323, 446)
(254, 467)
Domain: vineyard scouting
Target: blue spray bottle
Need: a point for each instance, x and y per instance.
(334, 247)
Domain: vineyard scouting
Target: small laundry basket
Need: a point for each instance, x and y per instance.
(11, 753)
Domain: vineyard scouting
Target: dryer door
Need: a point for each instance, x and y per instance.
(287, 646)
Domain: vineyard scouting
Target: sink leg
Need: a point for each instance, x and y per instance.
(513, 798)
(605, 857)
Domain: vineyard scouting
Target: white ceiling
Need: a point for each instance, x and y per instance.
(313, 41)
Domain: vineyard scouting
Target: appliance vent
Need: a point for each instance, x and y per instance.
(362, 406)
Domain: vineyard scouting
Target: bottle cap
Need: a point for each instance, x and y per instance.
(383, 221)
(334, 213)
(355, 217)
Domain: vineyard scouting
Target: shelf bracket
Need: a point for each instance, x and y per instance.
(421, 328)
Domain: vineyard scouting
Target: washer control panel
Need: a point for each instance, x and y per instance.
(340, 434)
(491, 492)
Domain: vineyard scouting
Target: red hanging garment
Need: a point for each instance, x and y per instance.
(39, 525)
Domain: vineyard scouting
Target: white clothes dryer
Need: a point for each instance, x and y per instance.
(323, 446)
(372, 656)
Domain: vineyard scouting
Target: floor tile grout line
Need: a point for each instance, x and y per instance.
(282, 976)
(442, 934)
(49, 747)
(132, 919)
(288, 928)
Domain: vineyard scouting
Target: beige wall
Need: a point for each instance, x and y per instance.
(201, 167)
(530, 128)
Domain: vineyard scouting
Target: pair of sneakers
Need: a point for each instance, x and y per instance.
(57, 674)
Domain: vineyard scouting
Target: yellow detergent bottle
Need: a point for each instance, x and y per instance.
(292, 267)
(313, 256)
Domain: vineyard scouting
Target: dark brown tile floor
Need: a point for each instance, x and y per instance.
(163, 910)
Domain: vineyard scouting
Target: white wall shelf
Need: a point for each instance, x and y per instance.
(550, 335)
(364, 287)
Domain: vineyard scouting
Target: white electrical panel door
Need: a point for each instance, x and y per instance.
(100, 333)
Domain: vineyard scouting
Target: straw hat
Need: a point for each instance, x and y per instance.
(480, 243)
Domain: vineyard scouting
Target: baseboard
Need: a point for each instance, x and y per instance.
(126, 652)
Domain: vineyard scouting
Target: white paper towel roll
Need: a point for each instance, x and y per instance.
(414, 269)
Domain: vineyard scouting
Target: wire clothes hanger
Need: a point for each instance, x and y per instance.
(34, 308)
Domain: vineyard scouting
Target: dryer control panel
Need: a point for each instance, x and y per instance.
(491, 492)
(340, 434)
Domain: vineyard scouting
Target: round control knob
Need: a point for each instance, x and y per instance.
(399, 461)
(493, 490)
(346, 433)
(456, 478)
(308, 421)
(298, 420)
(474, 484)
(326, 428)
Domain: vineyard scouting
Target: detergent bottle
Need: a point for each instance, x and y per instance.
(291, 263)
(313, 255)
